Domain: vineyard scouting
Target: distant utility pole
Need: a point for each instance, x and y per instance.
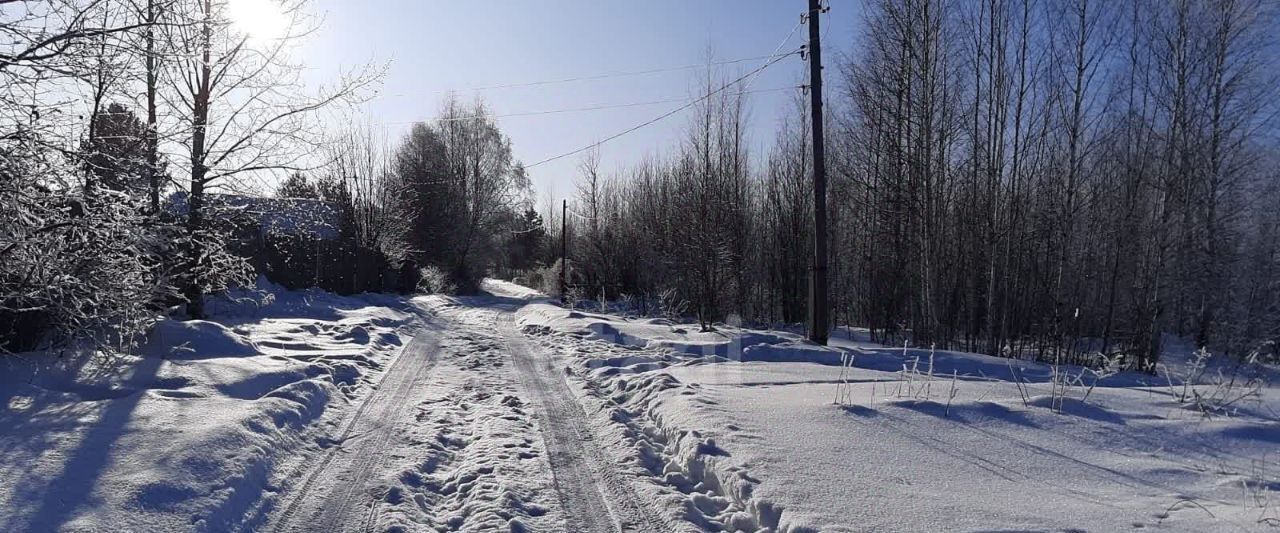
(819, 307)
(564, 250)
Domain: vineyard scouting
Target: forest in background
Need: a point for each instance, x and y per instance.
(1052, 179)
(1049, 179)
(135, 136)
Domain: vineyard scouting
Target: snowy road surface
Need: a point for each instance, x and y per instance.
(593, 494)
(389, 469)
(333, 495)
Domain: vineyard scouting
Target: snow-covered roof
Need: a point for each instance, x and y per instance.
(297, 216)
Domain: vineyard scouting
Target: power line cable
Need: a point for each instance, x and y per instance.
(568, 110)
(663, 116)
(606, 75)
(771, 61)
(620, 74)
(776, 49)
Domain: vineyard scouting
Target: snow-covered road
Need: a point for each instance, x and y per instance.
(589, 486)
(448, 465)
(331, 496)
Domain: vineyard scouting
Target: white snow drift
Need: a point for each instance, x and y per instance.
(193, 433)
(728, 430)
(743, 431)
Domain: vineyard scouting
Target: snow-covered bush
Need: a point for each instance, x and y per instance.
(217, 268)
(532, 278)
(1110, 366)
(433, 280)
(1065, 383)
(1221, 391)
(551, 278)
(671, 305)
(918, 382)
(663, 304)
(574, 295)
(74, 264)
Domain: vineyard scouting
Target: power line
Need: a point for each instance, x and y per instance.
(620, 74)
(569, 110)
(660, 117)
(774, 58)
(776, 49)
(663, 116)
(603, 76)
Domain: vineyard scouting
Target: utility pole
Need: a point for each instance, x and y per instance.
(564, 250)
(819, 308)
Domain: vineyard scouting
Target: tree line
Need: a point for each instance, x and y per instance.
(1053, 179)
(1050, 179)
(123, 122)
(448, 197)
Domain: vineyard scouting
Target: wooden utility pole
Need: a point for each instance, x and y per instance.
(819, 308)
(564, 250)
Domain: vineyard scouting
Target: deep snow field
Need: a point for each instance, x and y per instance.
(745, 435)
(190, 434)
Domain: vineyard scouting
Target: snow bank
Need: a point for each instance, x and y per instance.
(762, 446)
(195, 339)
(792, 352)
(194, 433)
(758, 443)
(508, 289)
(727, 342)
(689, 470)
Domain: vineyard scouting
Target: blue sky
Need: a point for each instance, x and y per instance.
(437, 46)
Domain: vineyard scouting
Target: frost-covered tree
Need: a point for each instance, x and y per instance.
(459, 177)
(77, 261)
(116, 152)
(245, 109)
(297, 186)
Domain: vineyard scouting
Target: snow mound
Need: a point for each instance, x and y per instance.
(307, 400)
(1076, 407)
(508, 289)
(195, 339)
(770, 441)
(793, 352)
(197, 432)
(726, 342)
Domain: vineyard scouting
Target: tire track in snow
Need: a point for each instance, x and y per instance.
(594, 496)
(473, 461)
(323, 501)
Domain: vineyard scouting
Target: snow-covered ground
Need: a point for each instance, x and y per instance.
(195, 433)
(504, 412)
(312, 412)
(742, 441)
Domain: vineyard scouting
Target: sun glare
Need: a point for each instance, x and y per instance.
(262, 20)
